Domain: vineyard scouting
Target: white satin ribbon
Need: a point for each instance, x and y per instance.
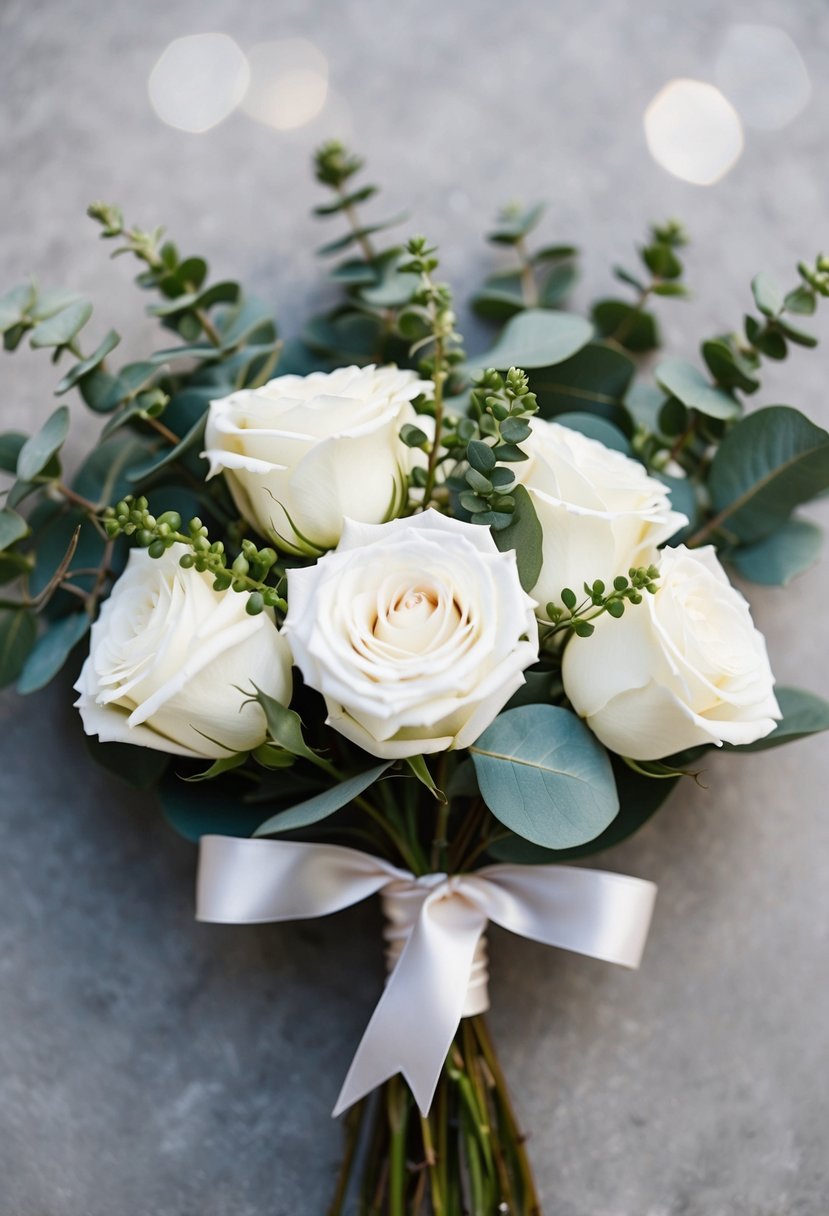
(591, 912)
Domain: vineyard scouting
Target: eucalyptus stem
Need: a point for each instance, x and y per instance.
(529, 287)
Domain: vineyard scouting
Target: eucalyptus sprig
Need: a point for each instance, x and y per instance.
(734, 359)
(429, 322)
(632, 325)
(247, 573)
(179, 280)
(502, 406)
(575, 618)
(543, 277)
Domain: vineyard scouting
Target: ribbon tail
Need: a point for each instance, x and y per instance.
(412, 1028)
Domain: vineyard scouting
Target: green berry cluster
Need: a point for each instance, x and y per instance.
(247, 572)
(576, 617)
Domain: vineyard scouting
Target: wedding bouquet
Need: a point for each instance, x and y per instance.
(374, 615)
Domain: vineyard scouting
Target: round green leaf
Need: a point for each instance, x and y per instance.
(536, 338)
(545, 776)
(687, 383)
(61, 328)
(39, 450)
(51, 651)
(771, 462)
(775, 560)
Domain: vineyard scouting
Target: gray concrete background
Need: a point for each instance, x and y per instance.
(153, 1067)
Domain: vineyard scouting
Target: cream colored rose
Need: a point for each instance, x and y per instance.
(686, 666)
(600, 512)
(172, 663)
(417, 632)
(304, 452)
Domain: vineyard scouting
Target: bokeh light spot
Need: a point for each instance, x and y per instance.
(197, 81)
(762, 72)
(693, 131)
(288, 83)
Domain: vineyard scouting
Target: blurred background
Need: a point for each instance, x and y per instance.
(149, 1065)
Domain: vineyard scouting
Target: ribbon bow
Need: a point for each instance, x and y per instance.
(591, 912)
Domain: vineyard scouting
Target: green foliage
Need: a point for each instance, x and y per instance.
(541, 280)
(687, 384)
(51, 651)
(248, 572)
(632, 325)
(12, 528)
(320, 806)
(18, 631)
(596, 379)
(575, 617)
(536, 338)
(523, 534)
(776, 559)
(640, 797)
(773, 461)
(39, 450)
(545, 776)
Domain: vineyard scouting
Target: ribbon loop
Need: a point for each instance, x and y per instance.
(435, 937)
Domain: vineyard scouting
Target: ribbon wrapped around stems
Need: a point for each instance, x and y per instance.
(591, 912)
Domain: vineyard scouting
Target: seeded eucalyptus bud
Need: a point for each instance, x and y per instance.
(221, 582)
(171, 519)
(187, 561)
(267, 557)
(241, 565)
(157, 548)
(144, 538)
(112, 527)
(255, 604)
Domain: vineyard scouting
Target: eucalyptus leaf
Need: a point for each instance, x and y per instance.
(639, 798)
(524, 535)
(776, 559)
(536, 338)
(18, 631)
(60, 329)
(631, 327)
(13, 527)
(595, 380)
(39, 450)
(15, 306)
(320, 806)
(545, 776)
(771, 462)
(728, 367)
(77, 373)
(10, 444)
(51, 651)
(687, 383)
(767, 295)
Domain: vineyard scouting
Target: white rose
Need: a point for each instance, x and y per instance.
(417, 632)
(172, 663)
(304, 452)
(686, 666)
(599, 511)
